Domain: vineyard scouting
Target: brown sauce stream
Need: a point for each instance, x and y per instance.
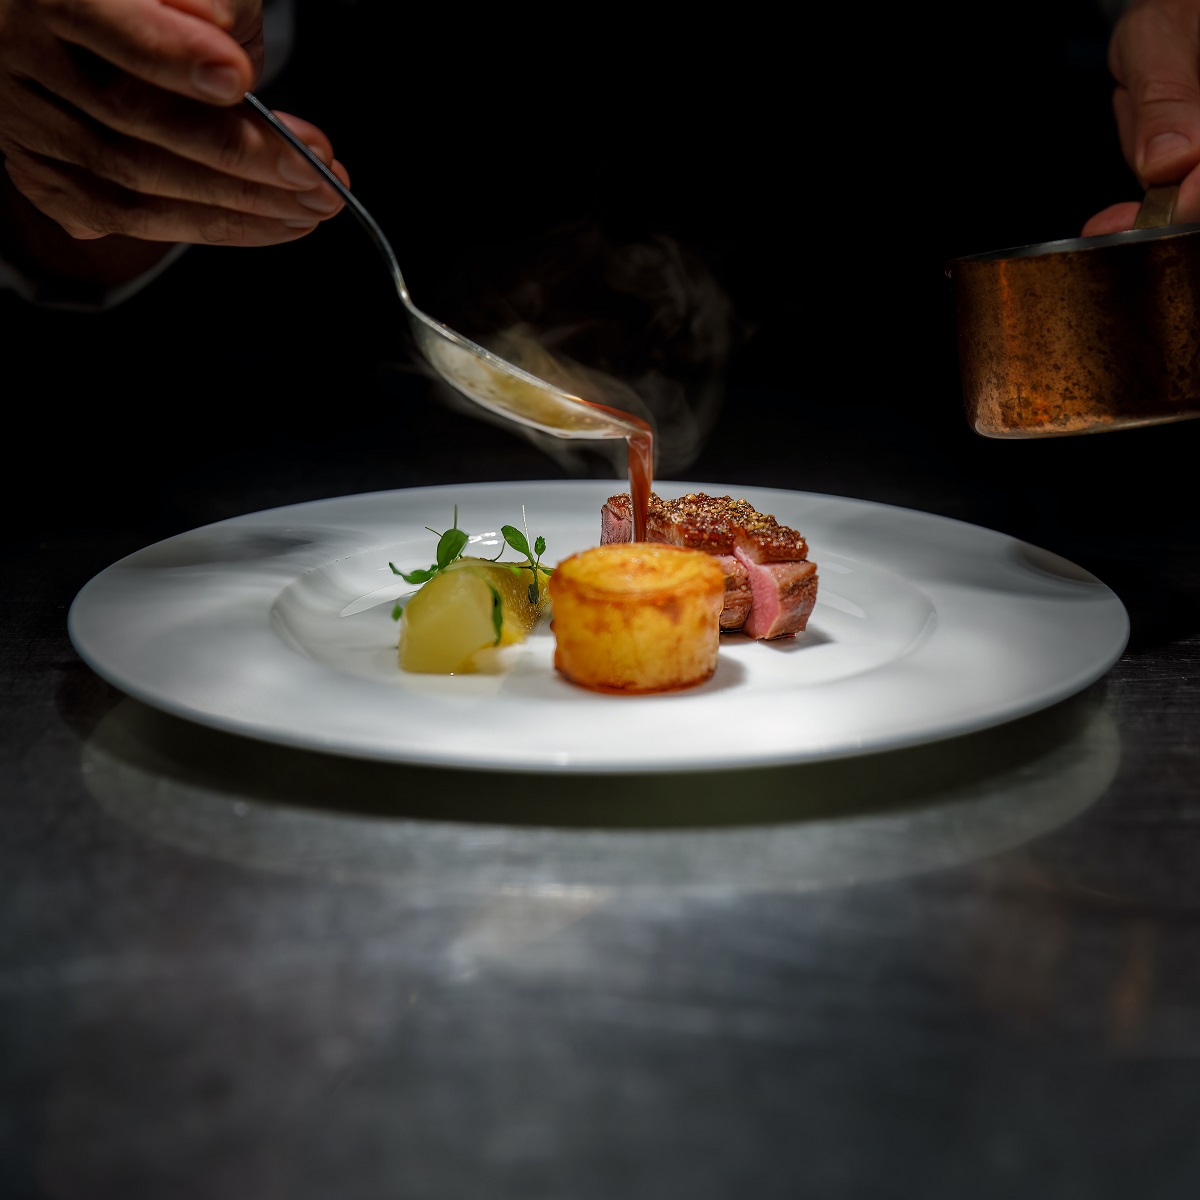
(641, 465)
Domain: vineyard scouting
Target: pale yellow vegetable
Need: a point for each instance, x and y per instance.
(637, 617)
(520, 614)
(449, 623)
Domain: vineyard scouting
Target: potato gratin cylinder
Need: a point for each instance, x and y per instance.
(637, 617)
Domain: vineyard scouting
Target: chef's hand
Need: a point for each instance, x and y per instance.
(1154, 56)
(123, 120)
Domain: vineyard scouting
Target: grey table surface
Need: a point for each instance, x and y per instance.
(229, 969)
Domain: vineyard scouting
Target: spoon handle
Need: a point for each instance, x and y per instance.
(368, 222)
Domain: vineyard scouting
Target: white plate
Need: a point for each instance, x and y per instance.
(278, 625)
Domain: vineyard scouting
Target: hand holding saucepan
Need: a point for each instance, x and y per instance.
(1102, 332)
(1154, 56)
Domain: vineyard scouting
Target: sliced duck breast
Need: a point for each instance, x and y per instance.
(770, 586)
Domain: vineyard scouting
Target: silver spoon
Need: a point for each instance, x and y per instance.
(484, 377)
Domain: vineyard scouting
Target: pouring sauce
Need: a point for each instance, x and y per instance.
(499, 386)
(640, 440)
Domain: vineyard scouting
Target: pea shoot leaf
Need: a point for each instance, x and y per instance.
(421, 576)
(516, 539)
(450, 546)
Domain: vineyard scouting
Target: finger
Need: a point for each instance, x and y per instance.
(88, 207)
(216, 12)
(1155, 58)
(51, 132)
(1122, 104)
(1119, 217)
(296, 169)
(241, 19)
(234, 141)
(159, 44)
(1112, 220)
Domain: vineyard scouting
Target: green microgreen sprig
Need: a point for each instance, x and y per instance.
(520, 543)
(451, 545)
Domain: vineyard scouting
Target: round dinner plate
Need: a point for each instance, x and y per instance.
(278, 625)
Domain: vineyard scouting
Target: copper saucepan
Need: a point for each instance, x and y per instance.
(1085, 334)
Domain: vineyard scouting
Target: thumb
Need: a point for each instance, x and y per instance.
(1155, 59)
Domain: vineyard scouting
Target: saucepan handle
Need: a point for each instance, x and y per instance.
(1158, 207)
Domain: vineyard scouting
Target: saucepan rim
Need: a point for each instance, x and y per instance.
(1078, 244)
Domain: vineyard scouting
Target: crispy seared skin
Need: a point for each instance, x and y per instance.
(717, 524)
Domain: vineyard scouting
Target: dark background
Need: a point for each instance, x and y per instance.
(799, 192)
(1021, 1025)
